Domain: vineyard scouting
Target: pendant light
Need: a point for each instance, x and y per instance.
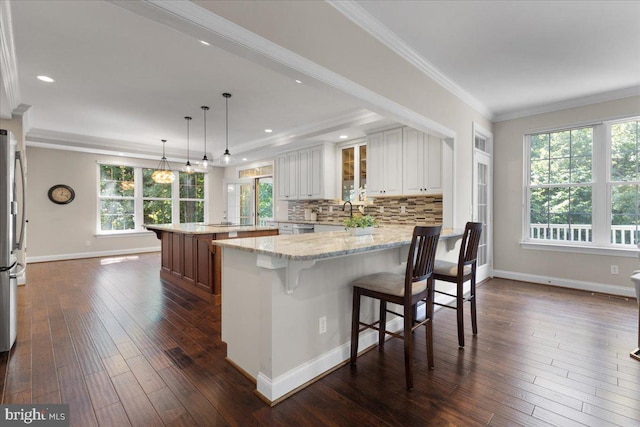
(205, 161)
(226, 157)
(163, 174)
(187, 167)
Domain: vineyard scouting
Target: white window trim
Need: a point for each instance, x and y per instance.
(139, 199)
(601, 189)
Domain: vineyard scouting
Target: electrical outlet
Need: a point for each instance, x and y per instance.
(614, 269)
(322, 325)
(403, 209)
(330, 209)
(320, 209)
(88, 243)
(381, 209)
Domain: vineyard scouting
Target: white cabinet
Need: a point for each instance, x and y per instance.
(384, 163)
(311, 173)
(422, 161)
(287, 176)
(307, 174)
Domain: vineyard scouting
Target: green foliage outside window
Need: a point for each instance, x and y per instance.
(191, 187)
(191, 211)
(560, 192)
(153, 190)
(625, 180)
(117, 207)
(117, 215)
(265, 199)
(116, 181)
(157, 203)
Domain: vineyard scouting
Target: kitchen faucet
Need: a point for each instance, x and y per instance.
(350, 210)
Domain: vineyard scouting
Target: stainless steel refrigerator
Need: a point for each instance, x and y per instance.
(12, 222)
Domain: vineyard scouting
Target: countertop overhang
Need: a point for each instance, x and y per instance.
(315, 246)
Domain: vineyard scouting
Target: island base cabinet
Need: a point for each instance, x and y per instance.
(187, 261)
(192, 262)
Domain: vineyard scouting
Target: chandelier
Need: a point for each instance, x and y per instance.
(163, 173)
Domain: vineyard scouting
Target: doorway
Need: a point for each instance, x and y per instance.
(482, 198)
(250, 201)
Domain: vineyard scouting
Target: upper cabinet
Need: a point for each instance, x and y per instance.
(384, 163)
(422, 171)
(287, 176)
(307, 174)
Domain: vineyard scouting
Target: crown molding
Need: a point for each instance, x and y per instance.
(570, 103)
(359, 16)
(8, 61)
(55, 140)
(241, 41)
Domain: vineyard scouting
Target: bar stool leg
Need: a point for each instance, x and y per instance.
(355, 325)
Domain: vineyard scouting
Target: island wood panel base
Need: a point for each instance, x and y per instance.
(193, 263)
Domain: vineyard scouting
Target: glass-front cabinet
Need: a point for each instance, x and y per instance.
(353, 180)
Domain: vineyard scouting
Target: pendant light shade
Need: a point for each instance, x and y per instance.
(226, 156)
(163, 174)
(187, 167)
(205, 160)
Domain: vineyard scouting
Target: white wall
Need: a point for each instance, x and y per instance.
(62, 231)
(510, 259)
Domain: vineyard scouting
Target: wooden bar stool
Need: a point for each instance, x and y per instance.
(459, 273)
(406, 291)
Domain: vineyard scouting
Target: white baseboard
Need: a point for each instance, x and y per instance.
(62, 257)
(300, 375)
(565, 283)
(291, 380)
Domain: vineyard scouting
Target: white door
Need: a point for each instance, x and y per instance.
(240, 203)
(483, 200)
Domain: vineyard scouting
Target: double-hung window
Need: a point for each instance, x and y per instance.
(582, 185)
(191, 197)
(117, 198)
(156, 200)
(624, 182)
(129, 198)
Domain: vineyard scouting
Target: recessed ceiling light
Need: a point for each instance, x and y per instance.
(46, 79)
(244, 159)
(205, 43)
(343, 137)
(298, 81)
(268, 130)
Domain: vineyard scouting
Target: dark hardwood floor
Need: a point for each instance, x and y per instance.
(107, 337)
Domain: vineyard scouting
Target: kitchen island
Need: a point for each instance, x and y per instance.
(286, 301)
(191, 261)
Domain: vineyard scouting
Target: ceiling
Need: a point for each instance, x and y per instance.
(126, 90)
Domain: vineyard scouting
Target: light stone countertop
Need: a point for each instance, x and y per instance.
(311, 246)
(200, 228)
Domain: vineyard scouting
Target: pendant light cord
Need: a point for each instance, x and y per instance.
(204, 116)
(188, 119)
(227, 123)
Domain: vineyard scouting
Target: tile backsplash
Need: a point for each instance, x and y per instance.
(386, 210)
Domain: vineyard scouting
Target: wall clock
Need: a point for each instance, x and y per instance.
(61, 194)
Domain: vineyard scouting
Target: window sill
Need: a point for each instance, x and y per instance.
(625, 251)
(134, 233)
